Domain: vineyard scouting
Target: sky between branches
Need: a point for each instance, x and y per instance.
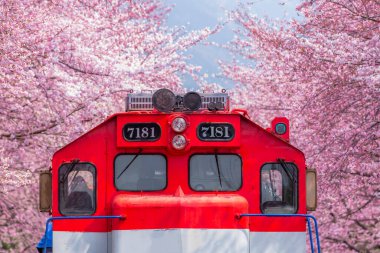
(198, 14)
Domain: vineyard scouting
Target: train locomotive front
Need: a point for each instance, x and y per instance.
(179, 174)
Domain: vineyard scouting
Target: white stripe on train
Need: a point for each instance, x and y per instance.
(179, 241)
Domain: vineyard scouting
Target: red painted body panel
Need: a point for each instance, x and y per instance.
(167, 133)
(179, 211)
(162, 209)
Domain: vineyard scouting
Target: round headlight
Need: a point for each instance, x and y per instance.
(192, 101)
(179, 142)
(179, 124)
(164, 100)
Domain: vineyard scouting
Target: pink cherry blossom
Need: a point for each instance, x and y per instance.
(322, 72)
(64, 67)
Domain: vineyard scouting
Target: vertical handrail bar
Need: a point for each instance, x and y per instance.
(310, 234)
(290, 215)
(50, 219)
(316, 231)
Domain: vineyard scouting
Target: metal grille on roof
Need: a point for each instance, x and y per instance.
(143, 101)
(139, 102)
(215, 97)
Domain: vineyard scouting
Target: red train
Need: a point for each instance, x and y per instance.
(180, 174)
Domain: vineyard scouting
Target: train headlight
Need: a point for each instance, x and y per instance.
(164, 100)
(179, 142)
(192, 101)
(179, 124)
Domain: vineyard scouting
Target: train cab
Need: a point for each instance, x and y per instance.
(183, 174)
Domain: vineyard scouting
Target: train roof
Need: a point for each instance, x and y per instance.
(241, 113)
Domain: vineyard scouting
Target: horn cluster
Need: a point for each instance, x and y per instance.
(164, 100)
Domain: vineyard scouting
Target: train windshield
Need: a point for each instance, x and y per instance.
(77, 188)
(279, 188)
(140, 172)
(215, 172)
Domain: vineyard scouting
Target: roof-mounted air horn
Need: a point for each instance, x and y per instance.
(164, 100)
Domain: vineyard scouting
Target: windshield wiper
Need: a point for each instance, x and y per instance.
(287, 171)
(73, 163)
(217, 166)
(130, 163)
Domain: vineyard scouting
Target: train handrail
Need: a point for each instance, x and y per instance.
(307, 216)
(50, 219)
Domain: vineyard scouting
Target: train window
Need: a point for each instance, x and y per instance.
(140, 172)
(215, 172)
(279, 188)
(77, 189)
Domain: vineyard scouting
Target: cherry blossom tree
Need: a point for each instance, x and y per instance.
(65, 66)
(323, 72)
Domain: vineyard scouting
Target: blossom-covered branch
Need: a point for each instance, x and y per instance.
(325, 69)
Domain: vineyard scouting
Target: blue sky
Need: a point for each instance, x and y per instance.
(197, 14)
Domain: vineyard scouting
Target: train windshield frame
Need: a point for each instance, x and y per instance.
(215, 172)
(77, 188)
(279, 188)
(140, 172)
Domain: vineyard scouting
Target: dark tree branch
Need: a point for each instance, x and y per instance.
(80, 70)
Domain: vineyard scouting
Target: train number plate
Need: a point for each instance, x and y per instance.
(141, 132)
(215, 132)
